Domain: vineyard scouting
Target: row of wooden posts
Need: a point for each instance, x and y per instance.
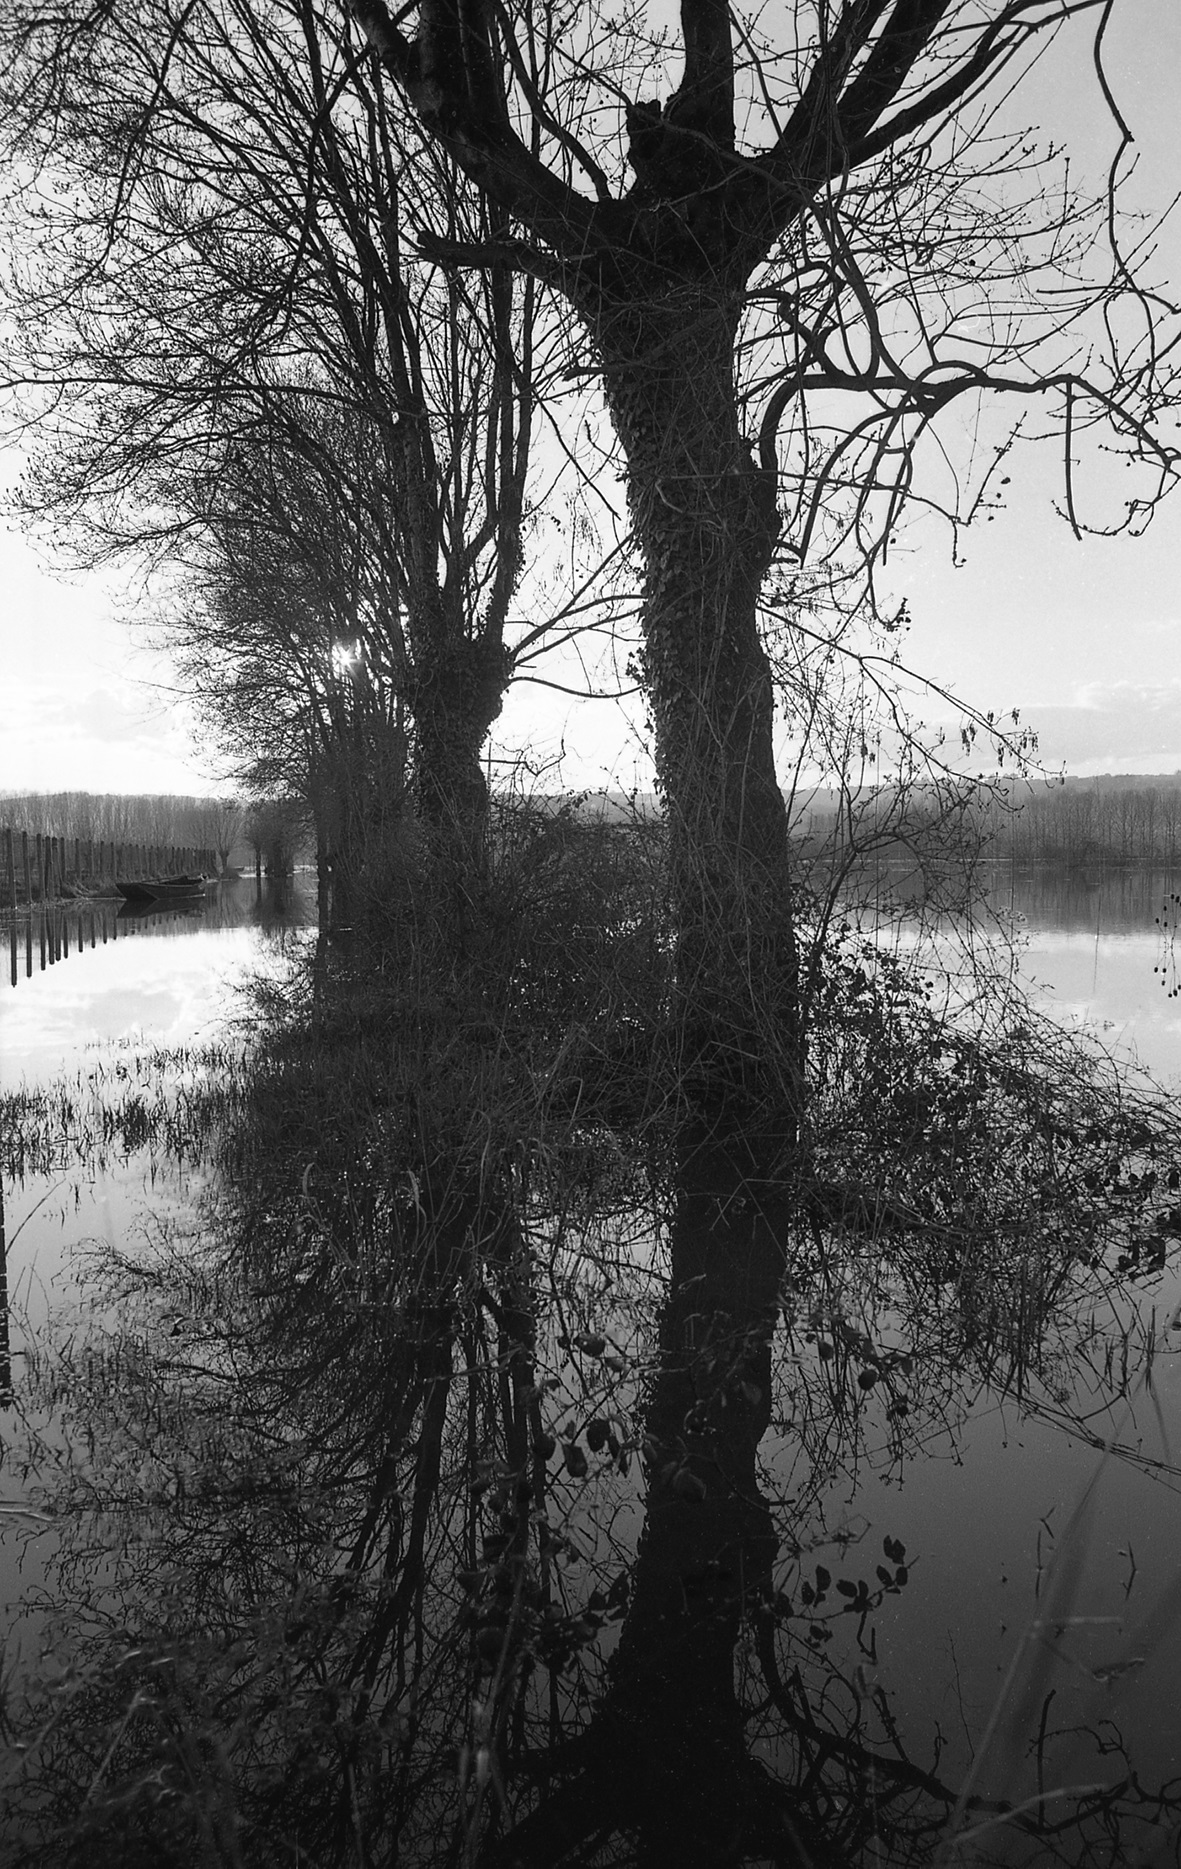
(40, 868)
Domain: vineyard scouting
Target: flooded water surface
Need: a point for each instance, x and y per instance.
(378, 1487)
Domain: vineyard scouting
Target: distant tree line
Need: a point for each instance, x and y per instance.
(1088, 821)
(272, 830)
(1114, 818)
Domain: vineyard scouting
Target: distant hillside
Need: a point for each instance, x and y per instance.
(1123, 782)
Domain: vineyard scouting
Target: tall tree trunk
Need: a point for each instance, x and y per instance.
(456, 692)
(707, 519)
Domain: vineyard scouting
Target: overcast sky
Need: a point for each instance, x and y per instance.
(1083, 638)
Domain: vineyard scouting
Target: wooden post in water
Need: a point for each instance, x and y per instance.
(10, 856)
(27, 870)
(5, 1350)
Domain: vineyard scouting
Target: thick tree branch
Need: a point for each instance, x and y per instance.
(481, 140)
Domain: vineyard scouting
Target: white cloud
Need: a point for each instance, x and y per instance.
(1129, 698)
(106, 738)
(1119, 726)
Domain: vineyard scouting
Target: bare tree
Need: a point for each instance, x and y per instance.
(118, 817)
(786, 274)
(218, 827)
(291, 637)
(208, 298)
(274, 828)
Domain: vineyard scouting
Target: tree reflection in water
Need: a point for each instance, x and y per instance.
(421, 1505)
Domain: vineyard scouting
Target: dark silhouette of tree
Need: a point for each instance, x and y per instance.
(218, 327)
(288, 635)
(790, 269)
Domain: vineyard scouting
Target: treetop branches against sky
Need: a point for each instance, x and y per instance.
(828, 267)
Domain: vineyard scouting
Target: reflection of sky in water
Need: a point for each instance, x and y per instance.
(977, 1511)
(972, 1515)
(985, 1501)
(166, 989)
(970, 1510)
(1109, 983)
(168, 982)
(1095, 944)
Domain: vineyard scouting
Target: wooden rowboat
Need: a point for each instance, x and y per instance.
(161, 888)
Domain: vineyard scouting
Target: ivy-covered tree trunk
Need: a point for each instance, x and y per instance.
(456, 692)
(707, 519)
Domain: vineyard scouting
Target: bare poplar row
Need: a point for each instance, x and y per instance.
(1081, 822)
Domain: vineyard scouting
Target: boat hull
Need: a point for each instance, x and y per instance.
(161, 888)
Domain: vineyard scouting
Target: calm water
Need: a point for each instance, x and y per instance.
(163, 977)
(979, 1489)
(1098, 946)
(93, 993)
